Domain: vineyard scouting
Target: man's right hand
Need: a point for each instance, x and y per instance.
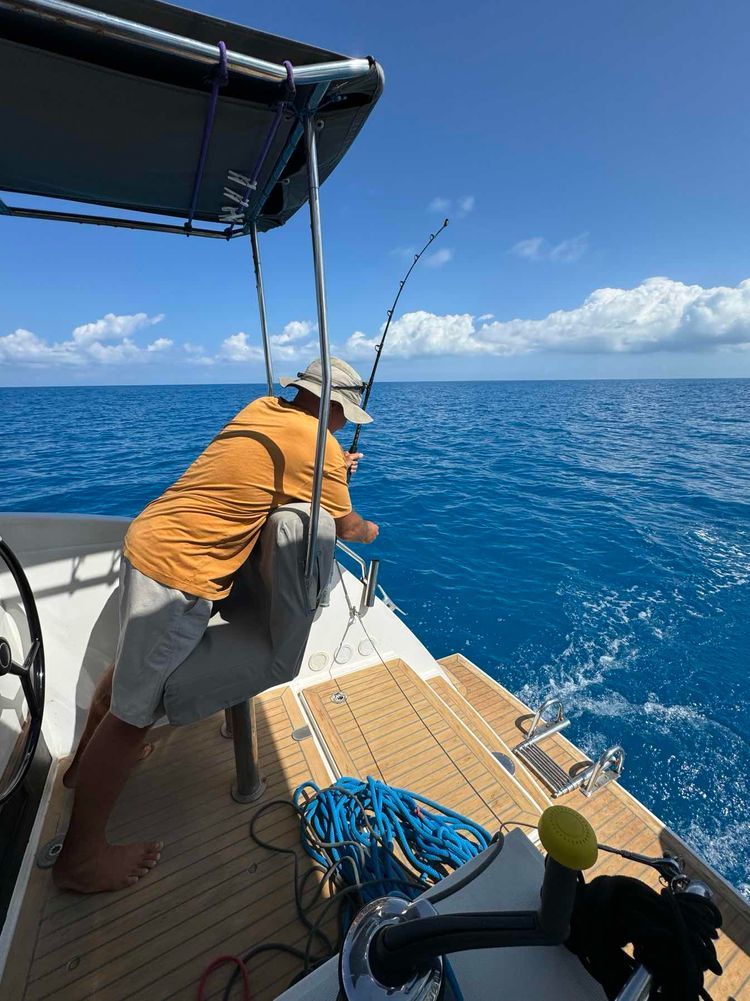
(353, 528)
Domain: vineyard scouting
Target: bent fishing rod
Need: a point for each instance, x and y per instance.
(379, 347)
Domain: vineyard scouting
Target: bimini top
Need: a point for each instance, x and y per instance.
(147, 107)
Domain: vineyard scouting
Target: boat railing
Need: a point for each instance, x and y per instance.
(368, 575)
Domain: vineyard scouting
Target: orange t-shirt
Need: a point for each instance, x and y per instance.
(202, 529)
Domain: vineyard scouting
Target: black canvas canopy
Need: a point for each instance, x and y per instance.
(112, 107)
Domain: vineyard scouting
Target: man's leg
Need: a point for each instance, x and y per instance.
(88, 863)
(97, 711)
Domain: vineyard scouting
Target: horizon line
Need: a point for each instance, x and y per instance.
(157, 385)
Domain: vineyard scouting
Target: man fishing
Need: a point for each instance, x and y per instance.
(179, 556)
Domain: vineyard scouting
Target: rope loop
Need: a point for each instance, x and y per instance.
(221, 70)
(291, 87)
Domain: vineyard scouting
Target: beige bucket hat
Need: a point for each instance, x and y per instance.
(346, 387)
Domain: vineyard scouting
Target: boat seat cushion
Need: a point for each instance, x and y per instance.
(256, 636)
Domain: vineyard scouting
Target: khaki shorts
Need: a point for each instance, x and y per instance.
(159, 628)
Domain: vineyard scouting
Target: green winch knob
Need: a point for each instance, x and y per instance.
(567, 837)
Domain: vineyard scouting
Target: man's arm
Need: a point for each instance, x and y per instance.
(353, 528)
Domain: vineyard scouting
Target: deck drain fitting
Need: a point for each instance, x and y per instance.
(48, 854)
(508, 763)
(301, 733)
(338, 698)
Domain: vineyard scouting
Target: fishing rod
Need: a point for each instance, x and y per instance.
(379, 348)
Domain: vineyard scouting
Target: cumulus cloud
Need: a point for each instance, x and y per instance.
(110, 341)
(86, 344)
(238, 348)
(113, 328)
(439, 258)
(296, 330)
(294, 343)
(537, 248)
(658, 315)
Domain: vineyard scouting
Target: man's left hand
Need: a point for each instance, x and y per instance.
(352, 460)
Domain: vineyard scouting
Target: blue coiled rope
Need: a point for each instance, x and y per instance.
(375, 833)
(371, 840)
(360, 829)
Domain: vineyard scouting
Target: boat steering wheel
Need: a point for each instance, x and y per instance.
(30, 672)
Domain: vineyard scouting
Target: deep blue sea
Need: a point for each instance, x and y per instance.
(589, 539)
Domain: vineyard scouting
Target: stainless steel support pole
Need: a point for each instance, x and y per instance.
(262, 307)
(249, 785)
(226, 726)
(313, 184)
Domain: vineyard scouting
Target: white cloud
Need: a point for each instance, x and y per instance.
(570, 250)
(113, 328)
(109, 341)
(196, 354)
(464, 205)
(237, 348)
(658, 315)
(536, 248)
(296, 330)
(439, 204)
(439, 258)
(531, 249)
(486, 316)
(85, 346)
(160, 344)
(23, 347)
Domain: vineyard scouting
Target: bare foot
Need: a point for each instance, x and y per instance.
(71, 775)
(114, 867)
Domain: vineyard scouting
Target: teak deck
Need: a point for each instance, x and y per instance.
(215, 892)
(617, 817)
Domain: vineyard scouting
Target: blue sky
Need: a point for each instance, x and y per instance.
(593, 158)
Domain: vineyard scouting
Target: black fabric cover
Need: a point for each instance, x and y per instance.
(100, 121)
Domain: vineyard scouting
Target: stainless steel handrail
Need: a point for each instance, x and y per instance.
(166, 41)
(539, 717)
(615, 756)
(313, 183)
(262, 306)
(354, 556)
(638, 986)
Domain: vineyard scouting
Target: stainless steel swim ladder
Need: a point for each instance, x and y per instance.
(589, 779)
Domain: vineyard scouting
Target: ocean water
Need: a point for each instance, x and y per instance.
(586, 539)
